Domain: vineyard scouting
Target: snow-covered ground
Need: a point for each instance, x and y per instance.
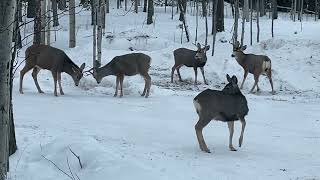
(137, 138)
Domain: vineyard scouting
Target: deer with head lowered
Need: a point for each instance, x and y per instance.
(126, 65)
(190, 58)
(46, 57)
(254, 64)
(228, 105)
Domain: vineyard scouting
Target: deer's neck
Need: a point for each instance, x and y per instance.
(105, 71)
(69, 69)
(241, 58)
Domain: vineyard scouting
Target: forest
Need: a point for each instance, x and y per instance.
(159, 89)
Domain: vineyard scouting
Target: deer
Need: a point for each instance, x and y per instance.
(228, 105)
(125, 65)
(55, 60)
(190, 58)
(254, 64)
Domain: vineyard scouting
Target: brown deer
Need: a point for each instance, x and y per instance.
(190, 58)
(126, 65)
(46, 57)
(254, 64)
(228, 105)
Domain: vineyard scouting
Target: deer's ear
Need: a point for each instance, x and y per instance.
(234, 79)
(82, 66)
(198, 45)
(228, 78)
(244, 47)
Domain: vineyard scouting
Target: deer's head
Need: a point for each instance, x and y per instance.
(232, 87)
(237, 49)
(202, 52)
(77, 73)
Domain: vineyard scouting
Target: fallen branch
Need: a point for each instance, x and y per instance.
(78, 157)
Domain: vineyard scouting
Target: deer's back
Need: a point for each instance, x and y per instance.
(183, 56)
(45, 57)
(253, 61)
(216, 103)
(131, 64)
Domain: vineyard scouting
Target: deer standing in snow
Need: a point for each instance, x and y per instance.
(254, 64)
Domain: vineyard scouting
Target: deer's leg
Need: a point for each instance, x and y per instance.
(179, 75)
(270, 79)
(35, 78)
(244, 78)
(195, 75)
(256, 80)
(121, 85)
(243, 123)
(172, 72)
(59, 81)
(55, 77)
(117, 86)
(147, 85)
(204, 78)
(231, 130)
(22, 73)
(199, 127)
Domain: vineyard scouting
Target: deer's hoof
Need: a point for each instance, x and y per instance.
(21, 92)
(41, 92)
(273, 92)
(232, 149)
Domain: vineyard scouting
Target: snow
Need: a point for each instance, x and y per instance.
(138, 138)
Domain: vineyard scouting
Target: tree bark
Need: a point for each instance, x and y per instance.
(258, 25)
(150, 12)
(136, 6)
(72, 23)
(99, 35)
(107, 6)
(48, 23)
(43, 21)
(220, 16)
(197, 20)
(214, 24)
(37, 24)
(204, 8)
(118, 4)
(62, 4)
(31, 8)
(181, 4)
(243, 27)
(246, 10)
(7, 11)
(126, 3)
(55, 13)
(145, 4)
(235, 30)
(251, 19)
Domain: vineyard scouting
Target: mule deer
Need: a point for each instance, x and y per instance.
(190, 58)
(254, 64)
(126, 65)
(46, 57)
(228, 105)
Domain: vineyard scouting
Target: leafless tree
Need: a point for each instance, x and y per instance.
(258, 25)
(182, 5)
(235, 26)
(246, 10)
(55, 13)
(37, 23)
(43, 21)
(204, 7)
(72, 23)
(150, 12)
(251, 19)
(145, 4)
(220, 16)
(136, 6)
(214, 23)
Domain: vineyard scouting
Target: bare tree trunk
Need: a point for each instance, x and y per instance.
(295, 10)
(214, 23)
(258, 26)
(55, 13)
(62, 4)
(243, 26)
(145, 4)
(6, 29)
(182, 4)
(48, 22)
(118, 4)
(72, 23)
(315, 10)
(126, 3)
(136, 6)
(220, 16)
(107, 6)
(94, 23)
(31, 9)
(235, 30)
(204, 8)
(262, 8)
(206, 22)
(37, 23)
(99, 35)
(165, 5)
(251, 18)
(197, 20)
(273, 16)
(150, 12)
(246, 10)
(43, 21)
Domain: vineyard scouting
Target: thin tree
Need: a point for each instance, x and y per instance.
(258, 25)
(273, 16)
(126, 3)
(294, 10)
(43, 21)
(150, 12)
(136, 6)
(107, 6)
(55, 13)
(99, 35)
(37, 23)
(214, 23)
(118, 4)
(72, 23)
(165, 6)
(220, 16)
(31, 9)
(204, 8)
(48, 27)
(94, 25)
(243, 26)
(197, 20)
(251, 19)
(246, 10)
(182, 5)
(315, 9)
(7, 10)
(235, 26)
(145, 4)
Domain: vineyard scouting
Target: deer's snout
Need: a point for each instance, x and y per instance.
(232, 55)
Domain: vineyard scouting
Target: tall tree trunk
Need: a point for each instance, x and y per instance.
(55, 13)
(37, 23)
(48, 22)
(197, 20)
(72, 23)
(7, 11)
(220, 16)
(118, 4)
(251, 19)
(182, 4)
(214, 24)
(31, 9)
(165, 5)
(145, 4)
(136, 6)
(258, 25)
(243, 27)
(262, 8)
(99, 35)
(204, 8)
(62, 4)
(273, 15)
(246, 10)
(235, 30)
(294, 10)
(315, 10)
(43, 21)
(126, 4)
(94, 23)
(107, 6)
(150, 12)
